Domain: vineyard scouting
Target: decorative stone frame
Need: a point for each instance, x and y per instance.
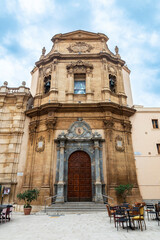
(89, 142)
(119, 148)
(79, 67)
(40, 149)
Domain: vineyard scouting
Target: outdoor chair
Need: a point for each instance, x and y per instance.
(157, 208)
(9, 212)
(140, 218)
(3, 215)
(150, 209)
(111, 211)
(120, 218)
(138, 204)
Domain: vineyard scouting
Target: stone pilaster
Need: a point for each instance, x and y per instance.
(70, 92)
(89, 93)
(30, 161)
(98, 183)
(105, 79)
(121, 91)
(54, 89)
(60, 185)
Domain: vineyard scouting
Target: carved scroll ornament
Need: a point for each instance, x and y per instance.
(50, 123)
(108, 123)
(127, 126)
(80, 47)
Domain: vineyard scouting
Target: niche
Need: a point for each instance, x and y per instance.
(47, 84)
(112, 83)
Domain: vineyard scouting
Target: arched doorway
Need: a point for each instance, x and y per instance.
(79, 177)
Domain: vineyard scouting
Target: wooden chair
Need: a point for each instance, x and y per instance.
(140, 218)
(120, 218)
(111, 211)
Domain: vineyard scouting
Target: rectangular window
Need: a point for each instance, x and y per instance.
(79, 83)
(158, 148)
(155, 123)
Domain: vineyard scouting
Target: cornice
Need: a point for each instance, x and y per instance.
(80, 107)
(86, 56)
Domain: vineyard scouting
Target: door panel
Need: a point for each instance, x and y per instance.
(79, 177)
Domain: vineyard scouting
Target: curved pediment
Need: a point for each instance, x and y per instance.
(80, 35)
(79, 130)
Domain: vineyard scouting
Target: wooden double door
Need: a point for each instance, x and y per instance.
(79, 177)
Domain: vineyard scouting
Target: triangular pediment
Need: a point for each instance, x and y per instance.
(80, 35)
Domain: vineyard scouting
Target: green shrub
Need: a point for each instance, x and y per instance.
(28, 196)
(124, 190)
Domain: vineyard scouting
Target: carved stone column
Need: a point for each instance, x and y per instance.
(111, 164)
(54, 90)
(30, 160)
(70, 92)
(98, 183)
(88, 84)
(121, 91)
(60, 185)
(39, 90)
(50, 125)
(105, 77)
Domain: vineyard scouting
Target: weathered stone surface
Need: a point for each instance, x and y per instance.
(62, 122)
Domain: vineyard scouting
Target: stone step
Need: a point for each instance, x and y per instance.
(72, 207)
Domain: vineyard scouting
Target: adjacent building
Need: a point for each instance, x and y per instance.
(146, 144)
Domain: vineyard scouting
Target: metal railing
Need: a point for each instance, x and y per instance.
(108, 197)
(53, 201)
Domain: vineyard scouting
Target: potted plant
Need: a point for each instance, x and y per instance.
(124, 190)
(28, 196)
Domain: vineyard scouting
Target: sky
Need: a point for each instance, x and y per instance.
(26, 26)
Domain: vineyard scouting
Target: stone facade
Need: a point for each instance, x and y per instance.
(58, 112)
(94, 119)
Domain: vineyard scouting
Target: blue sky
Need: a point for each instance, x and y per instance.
(134, 26)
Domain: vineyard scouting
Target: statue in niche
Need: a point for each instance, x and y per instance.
(112, 83)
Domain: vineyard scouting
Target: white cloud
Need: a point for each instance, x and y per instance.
(14, 71)
(154, 39)
(27, 11)
(135, 42)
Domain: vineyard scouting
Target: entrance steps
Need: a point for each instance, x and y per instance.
(75, 207)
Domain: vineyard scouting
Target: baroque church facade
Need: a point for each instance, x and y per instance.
(74, 135)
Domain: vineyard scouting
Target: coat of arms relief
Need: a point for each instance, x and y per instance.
(80, 47)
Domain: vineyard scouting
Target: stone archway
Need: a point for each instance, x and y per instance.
(79, 138)
(79, 177)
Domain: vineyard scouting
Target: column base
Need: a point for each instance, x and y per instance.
(89, 95)
(69, 96)
(98, 192)
(60, 193)
(106, 93)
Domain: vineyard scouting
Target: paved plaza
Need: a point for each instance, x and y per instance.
(95, 226)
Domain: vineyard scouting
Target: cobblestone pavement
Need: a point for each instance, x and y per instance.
(95, 226)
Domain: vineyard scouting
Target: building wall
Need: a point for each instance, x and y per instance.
(145, 138)
(33, 164)
(35, 75)
(13, 103)
(127, 86)
(105, 111)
